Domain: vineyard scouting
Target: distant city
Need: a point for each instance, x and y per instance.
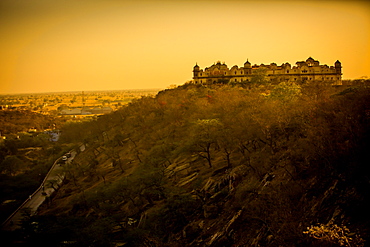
(76, 104)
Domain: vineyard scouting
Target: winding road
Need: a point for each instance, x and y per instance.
(54, 177)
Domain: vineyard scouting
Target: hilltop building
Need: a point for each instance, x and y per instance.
(303, 71)
(86, 111)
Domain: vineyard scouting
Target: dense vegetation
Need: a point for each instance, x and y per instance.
(217, 165)
(25, 157)
(12, 122)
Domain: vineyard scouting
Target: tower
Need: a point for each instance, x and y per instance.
(196, 71)
(247, 68)
(338, 67)
(247, 64)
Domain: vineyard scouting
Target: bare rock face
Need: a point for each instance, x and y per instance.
(192, 231)
(210, 211)
(224, 237)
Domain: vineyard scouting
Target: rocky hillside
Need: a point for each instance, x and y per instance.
(267, 165)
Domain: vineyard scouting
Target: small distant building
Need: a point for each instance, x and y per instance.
(86, 111)
(101, 110)
(32, 130)
(106, 110)
(75, 111)
(303, 71)
(53, 135)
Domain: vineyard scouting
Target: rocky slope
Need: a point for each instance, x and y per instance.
(218, 166)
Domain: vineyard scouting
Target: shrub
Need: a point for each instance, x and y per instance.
(334, 234)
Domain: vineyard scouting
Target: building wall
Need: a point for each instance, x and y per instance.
(303, 71)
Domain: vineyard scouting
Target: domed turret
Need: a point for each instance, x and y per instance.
(196, 67)
(247, 64)
(310, 59)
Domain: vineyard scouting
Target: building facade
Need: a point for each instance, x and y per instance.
(303, 71)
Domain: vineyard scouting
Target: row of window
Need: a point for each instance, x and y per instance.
(241, 72)
(322, 78)
(282, 79)
(287, 71)
(310, 71)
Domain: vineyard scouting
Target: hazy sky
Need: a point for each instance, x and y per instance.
(70, 45)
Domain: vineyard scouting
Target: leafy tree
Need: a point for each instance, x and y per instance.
(259, 77)
(332, 233)
(289, 158)
(174, 215)
(204, 137)
(227, 143)
(286, 92)
(10, 165)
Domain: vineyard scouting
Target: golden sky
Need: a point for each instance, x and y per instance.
(82, 45)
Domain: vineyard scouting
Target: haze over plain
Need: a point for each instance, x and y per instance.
(51, 46)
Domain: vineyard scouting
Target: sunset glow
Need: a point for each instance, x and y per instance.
(51, 46)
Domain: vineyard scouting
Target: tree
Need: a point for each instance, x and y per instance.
(332, 233)
(259, 76)
(10, 165)
(11, 145)
(227, 142)
(120, 163)
(204, 136)
(286, 92)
